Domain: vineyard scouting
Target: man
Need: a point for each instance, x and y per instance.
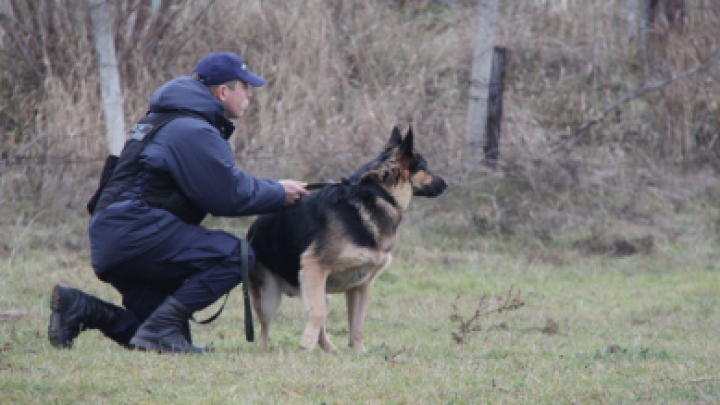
(145, 236)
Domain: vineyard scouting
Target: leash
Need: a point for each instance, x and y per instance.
(244, 269)
(249, 332)
(318, 186)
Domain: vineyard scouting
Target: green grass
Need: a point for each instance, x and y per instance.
(640, 329)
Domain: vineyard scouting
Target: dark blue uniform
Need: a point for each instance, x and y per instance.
(148, 253)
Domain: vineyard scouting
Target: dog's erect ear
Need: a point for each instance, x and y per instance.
(395, 139)
(406, 147)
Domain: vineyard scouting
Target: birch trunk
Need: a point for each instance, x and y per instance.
(476, 136)
(112, 99)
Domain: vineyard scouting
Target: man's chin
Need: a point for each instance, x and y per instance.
(234, 116)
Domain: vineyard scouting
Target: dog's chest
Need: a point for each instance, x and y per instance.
(356, 266)
(340, 282)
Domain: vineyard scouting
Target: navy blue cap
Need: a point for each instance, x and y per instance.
(222, 67)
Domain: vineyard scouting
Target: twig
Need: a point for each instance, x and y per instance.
(510, 302)
(647, 88)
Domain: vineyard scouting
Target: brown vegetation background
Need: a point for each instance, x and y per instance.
(342, 73)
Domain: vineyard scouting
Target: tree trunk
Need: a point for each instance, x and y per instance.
(476, 136)
(112, 99)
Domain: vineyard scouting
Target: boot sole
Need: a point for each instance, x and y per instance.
(150, 346)
(144, 345)
(55, 334)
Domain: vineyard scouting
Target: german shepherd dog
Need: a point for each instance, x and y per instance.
(337, 240)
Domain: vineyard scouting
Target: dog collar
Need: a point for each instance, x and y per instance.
(382, 193)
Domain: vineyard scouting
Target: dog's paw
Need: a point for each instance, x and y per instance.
(308, 344)
(327, 346)
(358, 347)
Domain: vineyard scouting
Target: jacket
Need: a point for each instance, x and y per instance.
(193, 155)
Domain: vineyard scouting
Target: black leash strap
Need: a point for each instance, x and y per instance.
(249, 331)
(217, 314)
(318, 186)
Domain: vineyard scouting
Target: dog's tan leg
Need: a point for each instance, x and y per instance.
(324, 340)
(358, 300)
(265, 307)
(354, 302)
(312, 284)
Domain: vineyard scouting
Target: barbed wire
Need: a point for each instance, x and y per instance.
(248, 156)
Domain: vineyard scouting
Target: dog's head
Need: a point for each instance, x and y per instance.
(402, 169)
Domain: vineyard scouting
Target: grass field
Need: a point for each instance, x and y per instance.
(591, 329)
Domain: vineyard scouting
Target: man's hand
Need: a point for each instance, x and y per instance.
(294, 190)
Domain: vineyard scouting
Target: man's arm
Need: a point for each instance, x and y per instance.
(203, 166)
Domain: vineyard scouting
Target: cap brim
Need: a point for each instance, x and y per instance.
(253, 79)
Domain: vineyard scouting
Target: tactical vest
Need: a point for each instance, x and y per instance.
(121, 173)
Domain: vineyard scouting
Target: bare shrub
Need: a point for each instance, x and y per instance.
(511, 301)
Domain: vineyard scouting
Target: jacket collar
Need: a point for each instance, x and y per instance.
(224, 125)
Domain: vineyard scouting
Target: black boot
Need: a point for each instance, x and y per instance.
(163, 330)
(74, 311)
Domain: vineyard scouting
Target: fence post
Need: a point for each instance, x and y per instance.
(495, 106)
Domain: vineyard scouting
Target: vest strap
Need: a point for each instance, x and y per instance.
(120, 172)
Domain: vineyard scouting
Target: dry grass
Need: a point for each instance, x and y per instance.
(341, 74)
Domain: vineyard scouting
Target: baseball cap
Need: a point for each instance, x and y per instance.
(222, 67)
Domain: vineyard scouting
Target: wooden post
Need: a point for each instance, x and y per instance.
(476, 138)
(495, 107)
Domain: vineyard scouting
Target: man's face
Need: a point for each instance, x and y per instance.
(237, 100)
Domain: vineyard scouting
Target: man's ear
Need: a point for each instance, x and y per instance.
(220, 92)
(224, 89)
